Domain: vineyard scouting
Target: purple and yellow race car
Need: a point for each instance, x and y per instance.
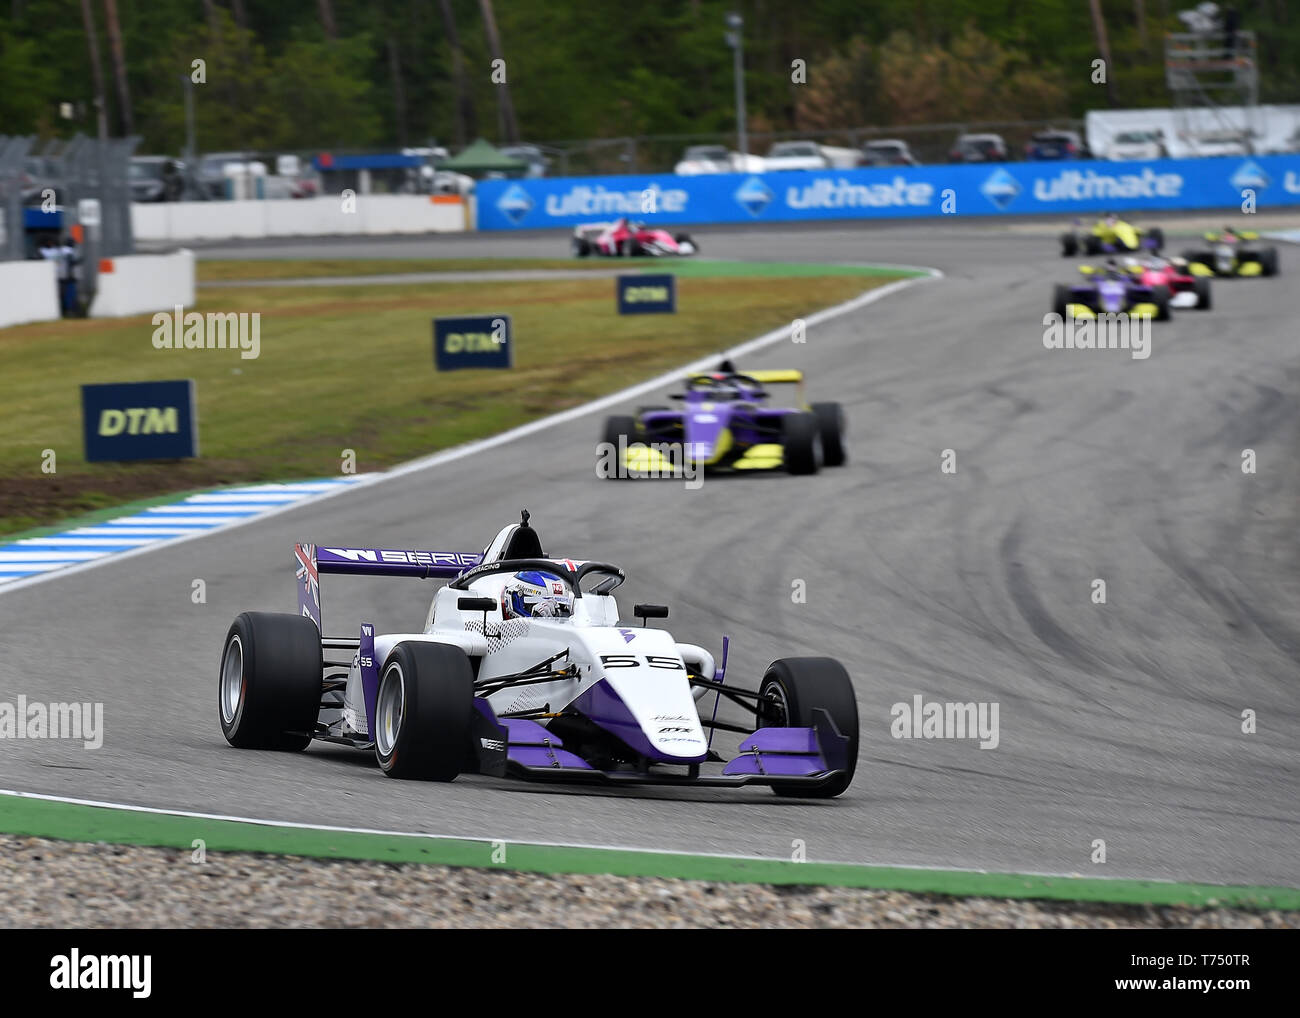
(1110, 235)
(727, 423)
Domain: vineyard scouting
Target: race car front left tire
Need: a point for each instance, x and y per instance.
(1160, 298)
(422, 712)
(801, 443)
(1201, 287)
(1268, 261)
(831, 425)
(791, 690)
(1069, 245)
(270, 683)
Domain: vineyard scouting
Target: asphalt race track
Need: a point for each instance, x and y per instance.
(1119, 721)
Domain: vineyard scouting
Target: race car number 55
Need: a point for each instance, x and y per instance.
(631, 661)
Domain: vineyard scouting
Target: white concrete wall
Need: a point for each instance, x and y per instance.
(28, 292)
(305, 217)
(139, 284)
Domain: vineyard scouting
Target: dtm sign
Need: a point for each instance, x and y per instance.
(641, 295)
(480, 342)
(140, 421)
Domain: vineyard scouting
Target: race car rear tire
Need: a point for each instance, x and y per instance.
(1091, 245)
(1061, 300)
(1160, 298)
(1069, 245)
(269, 689)
(801, 443)
(422, 713)
(832, 426)
(1201, 287)
(1268, 261)
(793, 688)
(582, 247)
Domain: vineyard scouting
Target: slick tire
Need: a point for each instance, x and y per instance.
(794, 687)
(832, 426)
(269, 688)
(582, 248)
(801, 443)
(1091, 246)
(1201, 287)
(1268, 261)
(1157, 236)
(614, 429)
(422, 713)
(1061, 300)
(1160, 298)
(1069, 245)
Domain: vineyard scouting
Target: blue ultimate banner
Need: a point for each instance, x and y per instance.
(986, 189)
(140, 421)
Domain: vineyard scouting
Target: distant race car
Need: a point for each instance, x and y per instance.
(524, 668)
(1232, 253)
(1186, 290)
(727, 423)
(625, 238)
(1111, 289)
(1110, 235)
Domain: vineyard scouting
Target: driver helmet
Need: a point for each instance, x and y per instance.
(536, 594)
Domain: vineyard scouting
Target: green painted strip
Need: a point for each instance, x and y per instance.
(20, 815)
(709, 269)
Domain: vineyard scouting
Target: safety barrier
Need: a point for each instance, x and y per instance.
(28, 292)
(183, 222)
(895, 192)
(138, 284)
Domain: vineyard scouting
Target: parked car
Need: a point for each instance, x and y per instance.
(530, 154)
(1218, 143)
(212, 171)
(699, 159)
(978, 148)
(156, 178)
(1136, 145)
(796, 155)
(888, 152)
(1052, 144)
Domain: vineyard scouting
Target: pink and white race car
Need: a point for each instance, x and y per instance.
(624, 238)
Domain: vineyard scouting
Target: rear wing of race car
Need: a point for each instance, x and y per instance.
(312, 560)
(780, 376)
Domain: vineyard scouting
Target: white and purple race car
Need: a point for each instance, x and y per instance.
(524, 668)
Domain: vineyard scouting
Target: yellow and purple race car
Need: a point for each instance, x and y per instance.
(727, 423)
(1110, 235)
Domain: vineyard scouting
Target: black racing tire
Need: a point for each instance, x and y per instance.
(269, 686)
(1069, 245)
(1158, 235)
(1091, 245)
(1160, 298)
(832, 427)
(1268, 261)
(1061, 300)
(582, 247)
(792, 689)
(614, 429)
(423, 712)
(1201, 287)
(801, 443)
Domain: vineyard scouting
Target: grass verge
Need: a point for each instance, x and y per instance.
(351, 367)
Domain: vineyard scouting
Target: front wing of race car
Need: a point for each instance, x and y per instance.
(791, 757)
